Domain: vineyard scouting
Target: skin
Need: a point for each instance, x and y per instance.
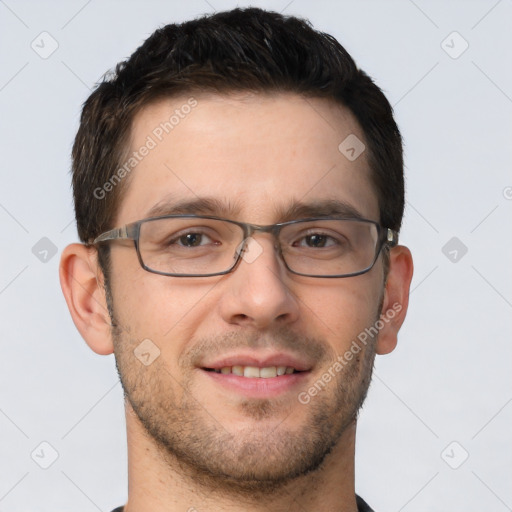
(191, 442)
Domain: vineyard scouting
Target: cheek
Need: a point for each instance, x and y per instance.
(340, 311)
(166, 310)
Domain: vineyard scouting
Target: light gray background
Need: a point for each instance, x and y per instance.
(449, 379)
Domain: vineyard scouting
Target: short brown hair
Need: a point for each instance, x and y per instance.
(249, 50)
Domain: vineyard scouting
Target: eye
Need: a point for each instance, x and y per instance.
(191, 239)
(316, 240)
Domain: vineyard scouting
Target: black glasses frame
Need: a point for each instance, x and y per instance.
(386, 238)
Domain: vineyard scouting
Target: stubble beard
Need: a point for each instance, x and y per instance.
(256, 460)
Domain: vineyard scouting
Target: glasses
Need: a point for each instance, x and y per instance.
(202, 246)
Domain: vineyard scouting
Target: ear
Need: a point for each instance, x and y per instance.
(396, 298)
(81, 281)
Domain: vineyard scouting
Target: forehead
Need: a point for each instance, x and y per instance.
(258, 155)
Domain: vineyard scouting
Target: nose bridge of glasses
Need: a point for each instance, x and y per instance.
(250, 248)
(272, 229)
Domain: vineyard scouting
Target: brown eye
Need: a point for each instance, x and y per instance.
(316, 240)
(191, 239)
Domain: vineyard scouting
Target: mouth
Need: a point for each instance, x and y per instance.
(254, 372)
(257, 377)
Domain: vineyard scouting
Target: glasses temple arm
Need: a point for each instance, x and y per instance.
(391, 237)
(114, 234)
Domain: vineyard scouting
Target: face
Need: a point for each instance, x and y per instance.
(257, 160)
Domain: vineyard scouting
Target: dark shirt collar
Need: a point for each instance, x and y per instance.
(362, 506)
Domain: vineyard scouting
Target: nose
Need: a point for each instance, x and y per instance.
(257, 293)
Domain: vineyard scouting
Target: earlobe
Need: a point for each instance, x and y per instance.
(396, 298)
(85, 296)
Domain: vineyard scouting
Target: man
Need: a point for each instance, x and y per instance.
(238, 187)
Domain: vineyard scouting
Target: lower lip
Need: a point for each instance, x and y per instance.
(258, 387)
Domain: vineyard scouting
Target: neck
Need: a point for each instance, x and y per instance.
(157, 483)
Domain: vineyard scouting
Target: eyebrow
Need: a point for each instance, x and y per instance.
(199, 206)
(231, 210)
(318, 208)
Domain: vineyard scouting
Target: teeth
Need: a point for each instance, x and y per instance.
(252, 372)
(237, 370)
(271, 371)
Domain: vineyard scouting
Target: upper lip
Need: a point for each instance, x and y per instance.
(258, 360)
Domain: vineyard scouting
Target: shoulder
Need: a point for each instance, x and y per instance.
(362, 506)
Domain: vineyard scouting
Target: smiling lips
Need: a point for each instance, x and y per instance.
(257, 376)
(254, 365)
(255, 372)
